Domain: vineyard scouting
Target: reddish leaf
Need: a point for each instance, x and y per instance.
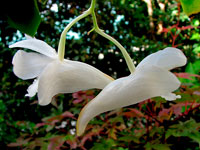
(82, 95)
(175, 109)
(20, 142)
(73, 144)
(88, 136)
(40, 124)
(196, 93)
(166, 30)
(165, 114)
(186, 75)
(133, 113)
(56, 142)
(68, 114)
(57, 118)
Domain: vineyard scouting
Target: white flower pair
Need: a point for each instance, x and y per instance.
(151, 78)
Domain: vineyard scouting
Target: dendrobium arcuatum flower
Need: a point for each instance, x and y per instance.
(151, 78)
(53, 76)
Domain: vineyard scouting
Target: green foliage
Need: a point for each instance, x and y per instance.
(192, 68)
(104, 145)
(150, 146)
(189, 128)
(22, 15)
(153, 124)
(190, 6)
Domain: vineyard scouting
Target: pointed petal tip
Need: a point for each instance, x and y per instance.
(80, 128)
(86, 114)
(13, 45)
(78, 133)
(10, 46)
(109, 77)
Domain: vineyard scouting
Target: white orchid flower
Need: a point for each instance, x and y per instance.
(151, 78)
(52, 75)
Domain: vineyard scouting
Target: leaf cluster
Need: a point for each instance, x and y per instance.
(153, 124)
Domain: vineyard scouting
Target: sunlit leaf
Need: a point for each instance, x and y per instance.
(195, 36)
(197, 49)
(190, 7)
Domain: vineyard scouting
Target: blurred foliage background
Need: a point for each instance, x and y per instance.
(142, 27)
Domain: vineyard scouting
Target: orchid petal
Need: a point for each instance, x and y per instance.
(36, 45)
(168, 58)
(145, 83)
(32, 89)
(68, 77)
(29, 65)
(29, 37)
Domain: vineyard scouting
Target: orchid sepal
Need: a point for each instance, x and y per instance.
(151, 78)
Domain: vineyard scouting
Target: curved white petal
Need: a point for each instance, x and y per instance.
(29, 65)
(168, 58)
(143, 84)
(36, 45)
(29, 37)
(32, 89)
(68, 77)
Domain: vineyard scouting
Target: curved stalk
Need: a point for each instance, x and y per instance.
(61, 46)
(127, 58)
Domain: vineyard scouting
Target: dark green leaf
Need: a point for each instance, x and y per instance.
(186, 129)
(22, 15)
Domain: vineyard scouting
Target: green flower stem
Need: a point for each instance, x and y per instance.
(128, 59)
(61, 46)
